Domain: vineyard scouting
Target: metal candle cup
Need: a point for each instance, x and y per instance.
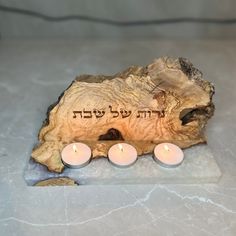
(76, 155)
(122, 155)
(168, 155)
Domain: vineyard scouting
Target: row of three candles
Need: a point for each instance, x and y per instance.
(77, 155)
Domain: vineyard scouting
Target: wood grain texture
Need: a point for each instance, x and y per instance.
(61, 181)
(176, 99)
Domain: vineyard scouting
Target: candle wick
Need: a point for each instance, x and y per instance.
(121, 147)
(74, 148)
(166, 148)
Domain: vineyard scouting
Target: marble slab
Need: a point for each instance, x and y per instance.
(199, 166)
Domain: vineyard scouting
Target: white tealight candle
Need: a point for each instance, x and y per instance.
(76, 155)
(122, 155)
(168, 155)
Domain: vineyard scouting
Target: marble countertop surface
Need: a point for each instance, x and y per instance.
(34, 73)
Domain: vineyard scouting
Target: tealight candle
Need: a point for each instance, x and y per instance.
(122, 155)
(168, 155)
(76, 155)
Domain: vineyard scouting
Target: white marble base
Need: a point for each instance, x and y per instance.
(199, 166)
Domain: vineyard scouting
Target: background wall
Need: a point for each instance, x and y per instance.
(20, 26)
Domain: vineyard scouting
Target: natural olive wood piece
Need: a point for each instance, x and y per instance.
(56, 182)
(103, 110)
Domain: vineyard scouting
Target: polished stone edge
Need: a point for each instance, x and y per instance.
(199, 166)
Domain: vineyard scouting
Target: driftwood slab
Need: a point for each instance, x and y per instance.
(167, 100)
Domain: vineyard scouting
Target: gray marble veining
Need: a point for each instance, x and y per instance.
(32, 75)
